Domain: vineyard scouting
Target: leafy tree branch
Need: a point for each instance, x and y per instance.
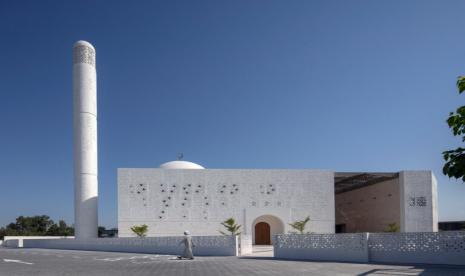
(455, 158)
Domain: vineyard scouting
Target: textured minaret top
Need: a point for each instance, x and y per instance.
(83, 52)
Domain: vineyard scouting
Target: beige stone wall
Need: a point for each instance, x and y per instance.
(369, 209)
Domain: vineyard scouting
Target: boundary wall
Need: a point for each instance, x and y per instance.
(421, 247)
(203, 245)
(17, 241)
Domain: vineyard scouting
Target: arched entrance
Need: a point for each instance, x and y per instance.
(264, 227)
(262, 234)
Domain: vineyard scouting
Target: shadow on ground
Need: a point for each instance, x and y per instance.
(423, 270)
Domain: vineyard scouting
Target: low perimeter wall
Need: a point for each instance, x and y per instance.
(245, 247)
(429, 248)
(322, 247)
(17, 241)
(204, 245)
(426, 248)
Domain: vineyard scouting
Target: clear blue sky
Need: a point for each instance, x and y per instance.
(342, 85)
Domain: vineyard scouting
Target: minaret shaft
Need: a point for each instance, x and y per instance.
(85, 141)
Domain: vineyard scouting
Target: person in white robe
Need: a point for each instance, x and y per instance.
(188, 245)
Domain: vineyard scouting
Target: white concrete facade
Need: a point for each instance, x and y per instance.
(418, 201)
(85, 140)
(170, 201)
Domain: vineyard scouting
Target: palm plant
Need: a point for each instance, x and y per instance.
(299, 225)
(140, 230)
(392, 228)
(231, 226)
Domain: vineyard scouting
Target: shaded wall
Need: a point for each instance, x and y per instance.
(369, 209)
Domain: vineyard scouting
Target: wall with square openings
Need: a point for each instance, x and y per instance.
(170, 201)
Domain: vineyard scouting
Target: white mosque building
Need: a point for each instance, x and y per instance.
(183, 195)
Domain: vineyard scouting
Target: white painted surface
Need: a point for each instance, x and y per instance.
(245, 244)
(323, 247)
(181, 165)
(17, 241)
(204, 245)
(418, 201)
(85, 140)
(171, 201)
(262, 251)
(17, 261)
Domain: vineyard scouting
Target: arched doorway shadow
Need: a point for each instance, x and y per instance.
(264, 227)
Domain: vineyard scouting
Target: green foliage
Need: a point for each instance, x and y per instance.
(60, 229)
(107, 233)
(461, 84)
(231, 226)
(455, 159)
(392, 228)
(140, 230)
(101, 230)
(300, 224)
(36, 226)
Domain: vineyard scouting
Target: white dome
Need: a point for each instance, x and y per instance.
(181, 165)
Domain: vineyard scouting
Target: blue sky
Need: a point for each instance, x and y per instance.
(342, 85)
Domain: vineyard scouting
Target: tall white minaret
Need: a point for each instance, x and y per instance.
(85, 140)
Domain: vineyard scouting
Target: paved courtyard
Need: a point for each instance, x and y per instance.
(66, 262)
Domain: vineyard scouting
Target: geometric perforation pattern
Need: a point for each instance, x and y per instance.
(84, 54)
(353, 242)
(450, 241)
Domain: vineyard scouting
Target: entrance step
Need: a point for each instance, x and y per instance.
(262, 251)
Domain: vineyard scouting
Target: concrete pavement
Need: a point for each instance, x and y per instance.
(37, 262)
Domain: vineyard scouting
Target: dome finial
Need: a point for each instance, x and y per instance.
(180, 156)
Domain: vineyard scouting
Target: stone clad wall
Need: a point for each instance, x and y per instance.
(204, 246)
(170, 201)
(428, 248)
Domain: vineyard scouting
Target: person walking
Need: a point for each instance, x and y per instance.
(188, 245)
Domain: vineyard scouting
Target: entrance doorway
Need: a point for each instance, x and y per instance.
(262, 234)
(264, 228)
(340, 228)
